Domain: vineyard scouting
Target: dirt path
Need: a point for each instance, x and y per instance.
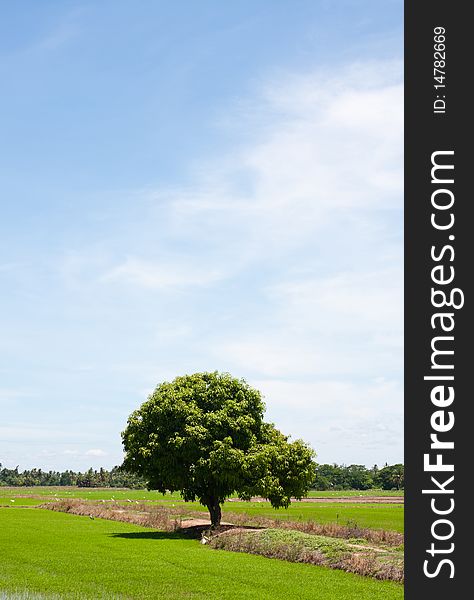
(186, 523)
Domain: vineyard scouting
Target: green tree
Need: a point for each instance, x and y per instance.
(358, 477)
(204, 435)
(391, 477)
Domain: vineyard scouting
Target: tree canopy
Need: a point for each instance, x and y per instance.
(204, 435)
(116, 477)
(358, 477)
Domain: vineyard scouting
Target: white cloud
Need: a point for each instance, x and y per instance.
(7, 267)
(280, 261)
(331, 144)
(13, 394)
(96, 452)
(322, 155)
(345, 421)
(160, 276)
(28, 433)
(349, 324)
(310, 208)
(360, 303)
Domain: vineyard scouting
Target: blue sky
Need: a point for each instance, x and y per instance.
(193, 186)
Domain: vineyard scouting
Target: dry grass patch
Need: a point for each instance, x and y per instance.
(295, 546)
(170, 519)
(352, 530)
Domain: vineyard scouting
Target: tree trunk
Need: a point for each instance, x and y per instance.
(215, 512)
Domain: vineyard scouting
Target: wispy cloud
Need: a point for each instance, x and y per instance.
(160, 276)
(349, 421)
(96, 453)
(279, 260)
(57, 37)
(308, 208)
(12, 394)
(321, 155)
(329, 145)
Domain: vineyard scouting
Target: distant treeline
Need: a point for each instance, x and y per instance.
(116, 477)
(359, 477)
(328, 477)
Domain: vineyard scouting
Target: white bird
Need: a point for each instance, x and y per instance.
(91, 517)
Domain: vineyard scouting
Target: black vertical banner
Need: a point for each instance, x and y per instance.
(438, 303)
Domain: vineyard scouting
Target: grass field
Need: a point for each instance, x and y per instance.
(377, 516)
(348, 493)
(13, 501)
(76, 557)
(119, 493)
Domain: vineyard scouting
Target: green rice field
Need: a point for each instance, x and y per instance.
(49, 555)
